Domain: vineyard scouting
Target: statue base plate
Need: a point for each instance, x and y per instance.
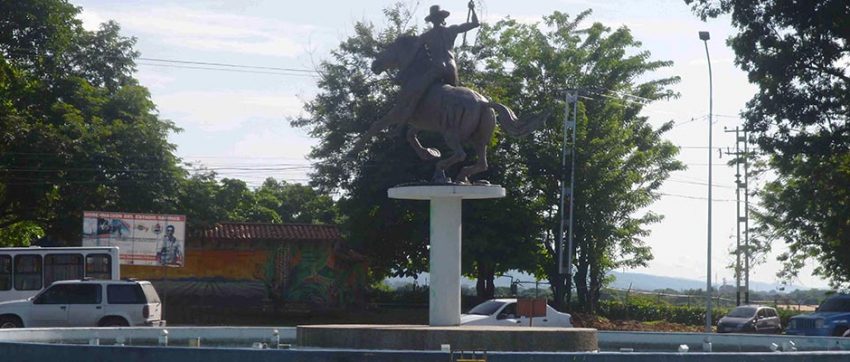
(442, 191)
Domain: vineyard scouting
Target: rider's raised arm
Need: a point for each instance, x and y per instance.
(462, 28)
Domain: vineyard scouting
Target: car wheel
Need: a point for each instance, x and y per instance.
(113, 322)
(840, 332)
(10, 322)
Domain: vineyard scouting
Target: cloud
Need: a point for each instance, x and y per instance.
(207, 30)
(213, 111)
(280, 142)
(91, 20)
(153, 79)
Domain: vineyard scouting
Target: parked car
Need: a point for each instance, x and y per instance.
(86, 303)
(503, 312)
(831, 318)
(750, 319)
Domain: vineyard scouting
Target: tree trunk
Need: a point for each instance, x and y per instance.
(557, 282)
(568, 292)
(581, 283)
(593, 289)
(479, 285)
(484, 286)
(489, 286)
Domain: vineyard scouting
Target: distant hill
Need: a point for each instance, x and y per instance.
(638, 281)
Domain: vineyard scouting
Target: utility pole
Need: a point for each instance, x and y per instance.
(565, 252)
(746, 142)
(705, 36)
(742, 158)
(737, 154)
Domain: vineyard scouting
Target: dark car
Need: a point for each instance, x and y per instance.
(750, 319)
(832, 318)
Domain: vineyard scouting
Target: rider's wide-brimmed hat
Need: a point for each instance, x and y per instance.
(437, 14)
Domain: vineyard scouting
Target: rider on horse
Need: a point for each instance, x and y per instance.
(430, 100)
(437, 43)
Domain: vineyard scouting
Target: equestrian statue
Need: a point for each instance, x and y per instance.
(430, 98)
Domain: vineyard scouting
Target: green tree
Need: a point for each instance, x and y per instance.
(391, 232)
(77, 131)
(621, 160)
(20, 234)
(206, 200)
(796, 53)
(296, 203)
(197, 200)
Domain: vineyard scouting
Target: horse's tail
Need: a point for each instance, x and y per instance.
(513, 125)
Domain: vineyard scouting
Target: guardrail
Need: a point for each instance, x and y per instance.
(184, 336)
(727, 342)
(249, 336)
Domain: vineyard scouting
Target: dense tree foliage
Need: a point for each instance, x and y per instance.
(207, 200)
(78, 131)
(622, 161)
(797, 53)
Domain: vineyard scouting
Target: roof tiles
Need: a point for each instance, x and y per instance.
(263, 231)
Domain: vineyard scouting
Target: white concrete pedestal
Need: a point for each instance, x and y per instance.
(444, 268)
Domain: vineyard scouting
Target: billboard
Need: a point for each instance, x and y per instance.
(143, 239)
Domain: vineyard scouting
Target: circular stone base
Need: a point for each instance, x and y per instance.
(428, 192)
(416, 337)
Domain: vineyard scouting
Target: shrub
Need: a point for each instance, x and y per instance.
(644, 310)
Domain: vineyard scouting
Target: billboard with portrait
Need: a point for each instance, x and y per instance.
(142, 239)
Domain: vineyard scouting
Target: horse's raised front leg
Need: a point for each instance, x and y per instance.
(458, 155)
(376, 127)
(426, 154)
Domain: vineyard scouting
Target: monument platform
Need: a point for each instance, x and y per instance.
(418, 337)
(429, 192)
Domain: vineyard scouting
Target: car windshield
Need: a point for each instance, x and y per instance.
(742, 312)
(487, 308)
(835, 305)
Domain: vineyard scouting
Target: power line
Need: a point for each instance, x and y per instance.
(696, 197)
(690, 121)
(228, 70)
(279, 167)
(300, 70)
(699, 183)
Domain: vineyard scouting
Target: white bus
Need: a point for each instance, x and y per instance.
(26, 271)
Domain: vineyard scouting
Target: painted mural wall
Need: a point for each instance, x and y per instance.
(307, 274)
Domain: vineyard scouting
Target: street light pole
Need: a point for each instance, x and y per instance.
(704, 36)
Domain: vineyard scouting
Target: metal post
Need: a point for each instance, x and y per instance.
(559, 246)
(746, 220)
(737, 222)
(572, 189)
(565, 257)
(737, 155)
(704, 36)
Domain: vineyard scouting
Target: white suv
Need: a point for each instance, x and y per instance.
(86, 303)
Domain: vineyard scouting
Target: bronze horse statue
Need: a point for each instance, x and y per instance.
(461, 115)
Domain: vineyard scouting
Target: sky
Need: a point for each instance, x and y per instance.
(235, 120)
